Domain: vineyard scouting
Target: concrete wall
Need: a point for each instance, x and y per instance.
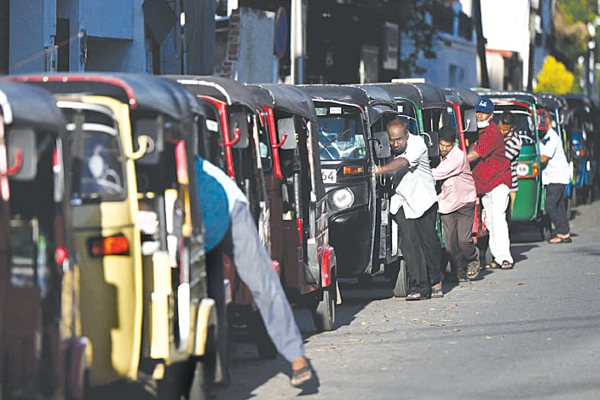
(257, 62)
(455, 65)
(506, 27)
(31, 29)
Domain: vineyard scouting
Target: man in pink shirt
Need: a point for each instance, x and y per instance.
(457, 205)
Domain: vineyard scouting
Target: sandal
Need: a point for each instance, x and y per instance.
(301, 376)
(414, 296)
(473, 269)
(507, 265)
(492, 265)
(437, 293)
(558, 239)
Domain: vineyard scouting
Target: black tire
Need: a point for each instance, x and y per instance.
(264, 345)
(324, 312)
(401, 283)
(546, 229)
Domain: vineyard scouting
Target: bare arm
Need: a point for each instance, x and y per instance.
(473, 156)
(544, 159)
(395, 165)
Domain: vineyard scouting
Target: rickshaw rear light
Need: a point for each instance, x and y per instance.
(535, 170)
(60, 255)
(299, 225)
(354, 170)
(109, 246)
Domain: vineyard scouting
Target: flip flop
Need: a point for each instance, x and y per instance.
(507, 265)
(492, 265)
(301, 376)
(473, 269)
(558, 239)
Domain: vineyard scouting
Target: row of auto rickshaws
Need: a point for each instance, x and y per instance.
(104, 277)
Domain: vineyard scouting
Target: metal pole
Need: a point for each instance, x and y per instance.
(297, 41)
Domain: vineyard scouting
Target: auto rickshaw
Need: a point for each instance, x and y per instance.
(424, 108)
(352, 139)
(236, 142)
(138, 236)
(529, 206)
(581, 125)
(299, 207)
(41, 354)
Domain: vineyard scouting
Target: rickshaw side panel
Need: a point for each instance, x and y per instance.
(347, 234)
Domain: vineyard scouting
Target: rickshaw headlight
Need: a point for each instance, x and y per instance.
(522, 169)
(343, 198)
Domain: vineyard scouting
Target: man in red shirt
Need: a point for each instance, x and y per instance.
(492, 175)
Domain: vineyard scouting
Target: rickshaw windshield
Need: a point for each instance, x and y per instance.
(408, 114)
(341, 134)
(435, 118)
(98, 169)
(524, 126)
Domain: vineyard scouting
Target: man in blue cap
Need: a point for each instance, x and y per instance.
(492, 175)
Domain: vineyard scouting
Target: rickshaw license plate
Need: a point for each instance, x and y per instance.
(329, 175)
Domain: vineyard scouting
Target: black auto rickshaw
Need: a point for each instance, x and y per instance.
(352, 139)
(42, 354)
(582, 125)
(299, 208)
(237, 141)
(138, 236)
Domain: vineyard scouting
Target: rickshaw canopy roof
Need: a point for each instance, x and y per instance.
(288, 98)
(227, 90)
(424, 94)
(375, 101)
(462, 96)
(17, 100)
(516, 96)
(141, 91)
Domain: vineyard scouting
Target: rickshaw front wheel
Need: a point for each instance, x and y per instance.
(324, 312)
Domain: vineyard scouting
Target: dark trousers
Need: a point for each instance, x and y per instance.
(458, 232)
(421, 249)
(556, 206)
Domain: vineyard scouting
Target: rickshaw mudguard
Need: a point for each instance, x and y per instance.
(111, 306)
(347, 234)
(158, 296)
(206, 319)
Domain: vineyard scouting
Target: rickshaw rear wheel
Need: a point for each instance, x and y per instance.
(546, 228)
(401, 282)
(264, 345)
(324, 312)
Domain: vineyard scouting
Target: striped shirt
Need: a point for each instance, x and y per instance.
(512, 146)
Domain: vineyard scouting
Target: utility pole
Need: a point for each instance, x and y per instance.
(297, 41)
(485, 78)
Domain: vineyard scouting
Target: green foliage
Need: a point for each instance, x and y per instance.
(554, 78)
(579, 10)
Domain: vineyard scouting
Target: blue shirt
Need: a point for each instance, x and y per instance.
(217, 194)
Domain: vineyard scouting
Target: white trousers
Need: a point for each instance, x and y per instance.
(495, 204)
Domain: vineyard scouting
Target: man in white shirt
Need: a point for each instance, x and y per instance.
(555, 177)
(414, 206)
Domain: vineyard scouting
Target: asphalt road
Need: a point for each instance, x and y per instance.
(529, 333)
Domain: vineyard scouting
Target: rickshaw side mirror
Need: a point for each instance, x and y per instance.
(541, 120)
(381, 144)
(22, 154)
(432, 140)
(238, 130)
(470, 121)
(286, 133)
(148, 135)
